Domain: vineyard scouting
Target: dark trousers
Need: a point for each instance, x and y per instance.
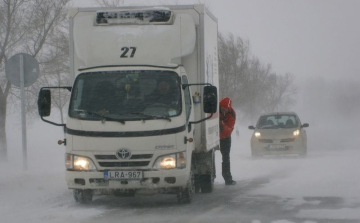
(225, 145)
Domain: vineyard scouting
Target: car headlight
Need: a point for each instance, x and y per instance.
(257, 134)
(73, 162)
(296, 132)
(171, 161)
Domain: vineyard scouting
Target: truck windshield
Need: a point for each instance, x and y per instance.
(126, 95)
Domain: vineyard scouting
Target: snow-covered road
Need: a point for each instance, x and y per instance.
(324, 187)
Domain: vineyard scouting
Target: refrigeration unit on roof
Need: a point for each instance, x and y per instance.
(133, 17)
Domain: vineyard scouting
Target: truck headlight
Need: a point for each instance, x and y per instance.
(257, 134)
(73, 162)
(171, 161)
(296, 132)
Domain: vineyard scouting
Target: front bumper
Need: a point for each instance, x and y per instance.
(297, 147)
(156, 181)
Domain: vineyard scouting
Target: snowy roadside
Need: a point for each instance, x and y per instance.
(35, 197)
(327, 173)
(40, 194)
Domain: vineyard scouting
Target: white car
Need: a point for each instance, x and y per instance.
(279, 133)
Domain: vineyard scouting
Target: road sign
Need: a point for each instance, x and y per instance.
(30, 68)
(22, 70)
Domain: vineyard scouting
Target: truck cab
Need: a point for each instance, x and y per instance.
(142, 115)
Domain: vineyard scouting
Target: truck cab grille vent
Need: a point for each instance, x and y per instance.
(133, 157)
(124, 164)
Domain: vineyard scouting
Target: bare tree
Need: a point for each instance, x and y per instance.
(234, 59)
(11, 33)
(253, 86)
(56, 73)
(110, 3)
(25, 26)
(329, 99)
(177, 2)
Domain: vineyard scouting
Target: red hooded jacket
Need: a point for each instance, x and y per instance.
(227, 121)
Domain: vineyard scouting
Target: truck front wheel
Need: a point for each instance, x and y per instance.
(185, 196)
(83, 196)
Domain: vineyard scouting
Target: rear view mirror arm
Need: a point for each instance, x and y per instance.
(69, 88)
(201, 120)
(187, 85)
(53, 123)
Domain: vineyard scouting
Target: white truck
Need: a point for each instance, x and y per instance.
(143, 111)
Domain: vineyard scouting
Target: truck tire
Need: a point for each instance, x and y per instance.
(184, 196)
(207, 180)
(197, 188)
(207, 183)
(83, 196)
(197, 183)
(196, 176)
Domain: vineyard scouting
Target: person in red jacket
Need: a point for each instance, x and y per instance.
(227, 122)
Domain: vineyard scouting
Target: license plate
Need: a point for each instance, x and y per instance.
(277, 146)
(123, 175)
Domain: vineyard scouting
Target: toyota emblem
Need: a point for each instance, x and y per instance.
(123, 154)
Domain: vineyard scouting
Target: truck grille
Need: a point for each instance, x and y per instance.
(265, 141)
(136, 160)
(124, 164)
(288, 140)
(113, 157)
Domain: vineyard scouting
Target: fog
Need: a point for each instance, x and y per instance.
(307, 38)
(330, 171)
(317, 41)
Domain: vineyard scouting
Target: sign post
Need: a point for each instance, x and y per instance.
(22, 70)
(23, 114)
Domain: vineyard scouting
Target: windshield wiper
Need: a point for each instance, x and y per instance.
(103, 117)
(149, 116)
(107, 118)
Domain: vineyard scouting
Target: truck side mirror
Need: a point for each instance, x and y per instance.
(251, 127)
(210, 99)
(44, 102)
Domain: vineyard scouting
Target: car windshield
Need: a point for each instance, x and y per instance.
(126, 95)
(277, 121)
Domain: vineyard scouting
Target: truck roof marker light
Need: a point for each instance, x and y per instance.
(135, 17)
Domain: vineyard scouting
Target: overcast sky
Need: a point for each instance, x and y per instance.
(309, 38)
